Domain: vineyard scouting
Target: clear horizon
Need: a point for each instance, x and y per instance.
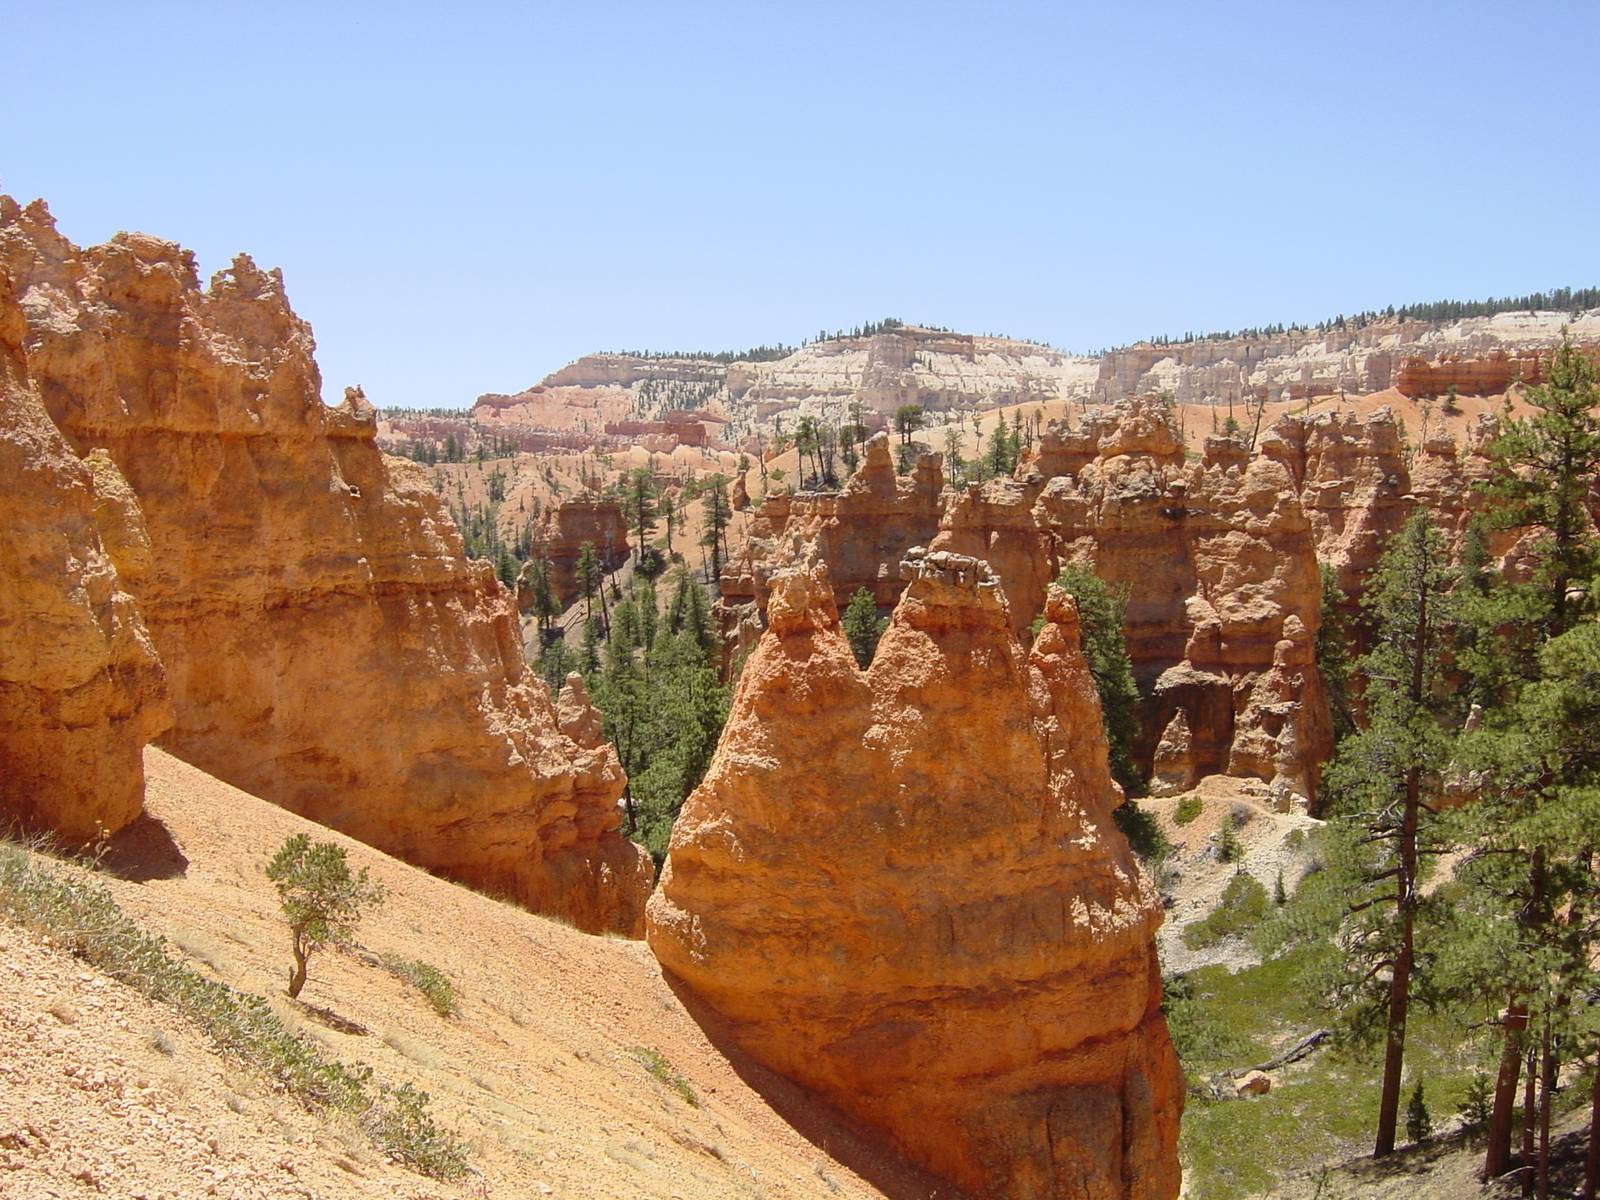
(461, 204)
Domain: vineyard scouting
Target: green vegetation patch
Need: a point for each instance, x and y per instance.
(1323, 1109)
(655, 1062)
(1243, 907)
(79, 915)
(427, 979)
(1187, 810)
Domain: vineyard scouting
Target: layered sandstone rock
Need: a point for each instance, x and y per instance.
(936, 369)
(1216, 557)
(1173, 769)
(903, 889)
(81, 688)
(860, 531)
(1446, 476)
(1488, 374)
(1353, 481)
(994, 521)
(1218, 565)
(328, 646)
(1477, 354)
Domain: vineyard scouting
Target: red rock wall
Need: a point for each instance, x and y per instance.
(1481, 375)
(1218, 565)
(564, 530)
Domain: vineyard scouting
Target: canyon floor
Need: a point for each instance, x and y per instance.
(541, 1071)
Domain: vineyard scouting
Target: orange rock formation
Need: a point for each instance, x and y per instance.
(1353, 482)
(564, 530)
(903, 889)
(81, 688)
(860, 531)
(1220, 573)
(1487, 374)
(1218, 565)
(327, 644)
(1217, 559)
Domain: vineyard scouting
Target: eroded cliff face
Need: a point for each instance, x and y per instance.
(565, 528)
(328, 647)
(81, 688)
(860, 531)
(1220, 570)
(1478, 355)
(995, 521)
(903, 889)
(1218, 564)
(1217, 557)
(1354, 485)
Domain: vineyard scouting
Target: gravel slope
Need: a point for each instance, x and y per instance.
(105, 1094)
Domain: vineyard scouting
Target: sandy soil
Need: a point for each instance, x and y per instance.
(113, 1096)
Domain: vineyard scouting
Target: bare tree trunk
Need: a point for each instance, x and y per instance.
(1405, 894)
(297, 977)
(1530, 1109)
(1547, 1085)
(1497, 1153)
(1591, 1163)
(1255, 430)
(1400, 980)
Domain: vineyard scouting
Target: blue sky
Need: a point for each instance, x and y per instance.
(463, 199)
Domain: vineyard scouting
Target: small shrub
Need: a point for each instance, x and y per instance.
(427, 979)
(1419, 1124)
(1241, 908)
(1229, 847)
(863, 626)
(1280, 894)
(1478, 1102)
(1199, 1035)
(1188, 809)
(1142, 831)
(657, 1065)
(652, 563)
(399, 1125)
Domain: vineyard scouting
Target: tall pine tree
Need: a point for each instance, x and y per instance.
(1383, 790)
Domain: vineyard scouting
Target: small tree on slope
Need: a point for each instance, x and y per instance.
(321, 899)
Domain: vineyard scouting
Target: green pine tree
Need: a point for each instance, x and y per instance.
(1333, 653)
(640, 503)
(1534, 666)
(1382, 791)
(1105, 647)
(862, 626)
